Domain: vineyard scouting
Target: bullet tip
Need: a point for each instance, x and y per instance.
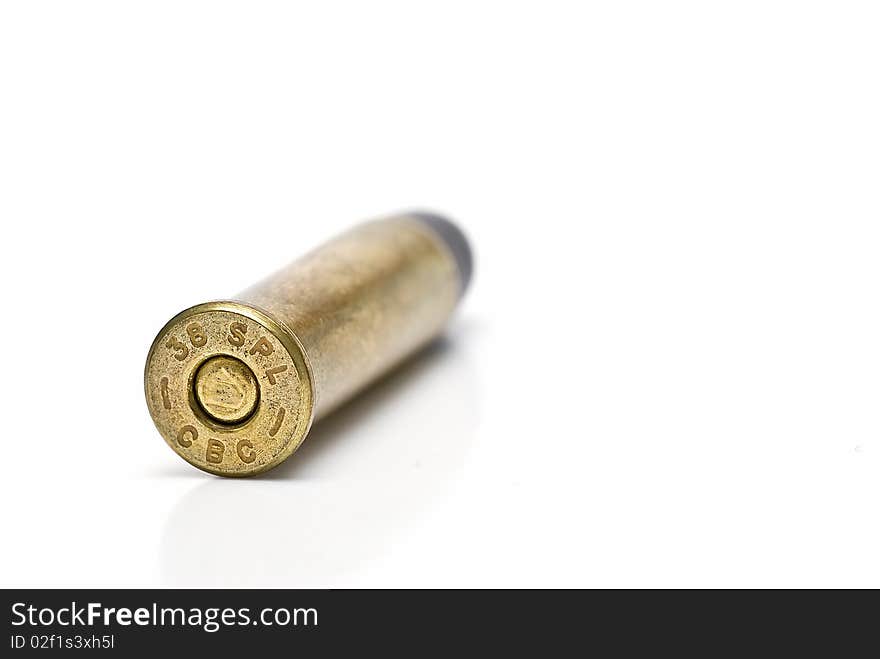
(457, 242)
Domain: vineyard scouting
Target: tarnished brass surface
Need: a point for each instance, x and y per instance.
(226, 389)
(234, 386)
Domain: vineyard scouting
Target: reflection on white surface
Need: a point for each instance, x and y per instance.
(364, 473)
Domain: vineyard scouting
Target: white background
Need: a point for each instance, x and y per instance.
(667, 372)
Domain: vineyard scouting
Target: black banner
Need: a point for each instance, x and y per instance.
(126, 622)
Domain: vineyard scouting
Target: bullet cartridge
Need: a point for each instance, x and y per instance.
(234, 386)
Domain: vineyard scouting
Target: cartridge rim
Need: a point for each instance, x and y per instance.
(242, 443)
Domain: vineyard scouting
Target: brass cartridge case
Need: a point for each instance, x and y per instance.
(234, 386)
